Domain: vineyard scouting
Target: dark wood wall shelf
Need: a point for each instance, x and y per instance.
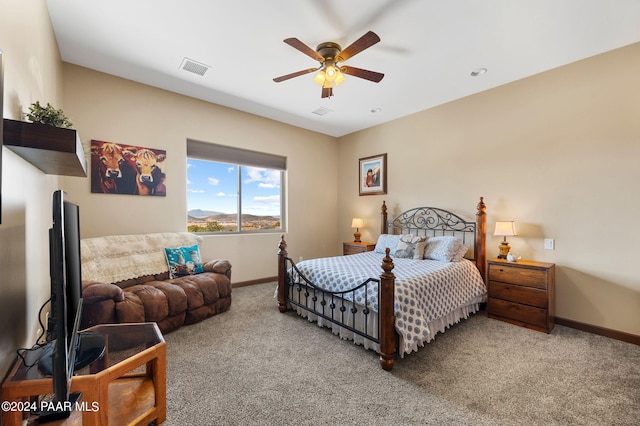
(53, 150)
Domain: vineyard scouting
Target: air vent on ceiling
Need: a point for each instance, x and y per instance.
(194, 66)
(322, 111)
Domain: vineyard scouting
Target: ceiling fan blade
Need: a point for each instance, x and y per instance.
(294, 74)
(364, 42)
(297, 44)
(359, 72)
(327, 92)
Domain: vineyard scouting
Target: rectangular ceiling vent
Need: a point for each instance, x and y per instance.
(322, 111)
(194, 66)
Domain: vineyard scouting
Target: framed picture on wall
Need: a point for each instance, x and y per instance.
(127, 169)
(372, 175)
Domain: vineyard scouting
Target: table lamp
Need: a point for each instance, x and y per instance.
(357, 223)
(504, 229)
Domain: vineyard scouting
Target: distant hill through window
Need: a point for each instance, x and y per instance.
(207, 221)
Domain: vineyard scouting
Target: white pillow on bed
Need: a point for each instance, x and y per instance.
(411, 247)
(445, 248)
(387, 240)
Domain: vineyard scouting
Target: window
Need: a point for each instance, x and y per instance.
(233, 190)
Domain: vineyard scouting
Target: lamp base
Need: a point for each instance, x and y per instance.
(504, 248)
(356, 236)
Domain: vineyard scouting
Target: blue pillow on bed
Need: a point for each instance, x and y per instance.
(387, 240)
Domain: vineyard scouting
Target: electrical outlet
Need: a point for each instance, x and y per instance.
(549, 244)
(300, 259)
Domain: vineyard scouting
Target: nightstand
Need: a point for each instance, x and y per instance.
(352, 247)
(522, 293)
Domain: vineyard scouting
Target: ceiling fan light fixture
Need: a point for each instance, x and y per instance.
(330, 71)
(329, 54)
(319, 78)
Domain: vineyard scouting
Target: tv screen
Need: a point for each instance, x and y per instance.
(66, 302)
(73, 275)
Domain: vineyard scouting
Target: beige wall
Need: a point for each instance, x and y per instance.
(559, 153)
(117, 110)
(33, 72)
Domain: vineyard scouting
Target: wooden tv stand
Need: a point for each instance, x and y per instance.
(127, 386)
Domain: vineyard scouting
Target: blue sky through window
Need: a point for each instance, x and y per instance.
(213, 186)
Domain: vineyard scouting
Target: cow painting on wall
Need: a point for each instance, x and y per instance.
(126, 169)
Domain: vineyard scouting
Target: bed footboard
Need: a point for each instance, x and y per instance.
(294, 289)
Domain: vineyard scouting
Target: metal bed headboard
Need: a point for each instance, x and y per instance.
(433, 221)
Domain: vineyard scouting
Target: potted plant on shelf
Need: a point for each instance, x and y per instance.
(48, 115)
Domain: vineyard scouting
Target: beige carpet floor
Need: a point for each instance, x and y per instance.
(255, 366)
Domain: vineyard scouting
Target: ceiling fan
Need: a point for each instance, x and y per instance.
(329, 54)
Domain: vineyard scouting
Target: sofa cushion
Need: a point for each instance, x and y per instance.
(101, 312)
(195, 298)
(171, 323)
(220, 266)
(196, 315)
(176, 297)
(153, 300)
(130, 309)
(94, 292)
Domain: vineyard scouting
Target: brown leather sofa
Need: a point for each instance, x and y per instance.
(126, 279)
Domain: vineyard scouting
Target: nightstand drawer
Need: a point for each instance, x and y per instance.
(519, 294)
(521, 313)
(515, 275)
(349, 249)
(354, 248)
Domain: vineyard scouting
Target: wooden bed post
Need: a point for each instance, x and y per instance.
(386, 313)
(383, 213)
(282, 272)
(481, 238)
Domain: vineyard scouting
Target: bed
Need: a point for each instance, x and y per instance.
(394, 300)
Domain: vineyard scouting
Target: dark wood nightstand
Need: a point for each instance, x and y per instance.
(522, 293)
(352, 247)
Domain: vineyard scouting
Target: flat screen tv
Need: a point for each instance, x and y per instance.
(66, 305)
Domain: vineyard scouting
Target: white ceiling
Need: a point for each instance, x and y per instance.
(427, 52)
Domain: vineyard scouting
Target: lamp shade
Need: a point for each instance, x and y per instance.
(506, 228)
(356, 222)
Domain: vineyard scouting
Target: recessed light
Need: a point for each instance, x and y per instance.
(375, 110)
(478, 71)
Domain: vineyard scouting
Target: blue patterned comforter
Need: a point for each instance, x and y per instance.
(426, 291)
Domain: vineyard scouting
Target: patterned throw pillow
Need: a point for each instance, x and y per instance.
(183, 261)
(457, 257)
(411, 247)
(445, 248)
(387, 240)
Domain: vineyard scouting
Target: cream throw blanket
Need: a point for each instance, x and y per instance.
(115, 258)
